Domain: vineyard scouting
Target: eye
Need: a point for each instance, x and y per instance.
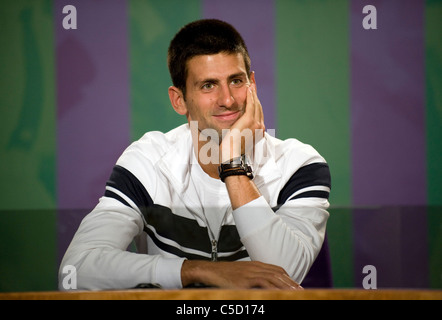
(237, 82)
(207, 86)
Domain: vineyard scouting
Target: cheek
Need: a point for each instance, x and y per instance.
(197, 109)
(240, 96)
(205, 104)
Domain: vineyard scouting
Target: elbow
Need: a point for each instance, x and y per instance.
(300, 263)
(67, 277)
(296, 261)
(67, 274)
(74, 272)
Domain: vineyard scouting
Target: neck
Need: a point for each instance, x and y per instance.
(207, 154)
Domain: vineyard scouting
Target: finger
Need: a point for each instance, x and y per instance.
(264, 283)
(292, 284)
(282, 276)
(257, 104)
(258, 114)
(260, 111)
(250, 104)
(279, 280)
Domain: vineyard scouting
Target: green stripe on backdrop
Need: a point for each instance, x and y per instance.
(152, 26)
(340, 242)
(28, 251)
(434, 214)
(27, 102)
(313, 83)
(313, 104)
(27, 147)
(433, 58)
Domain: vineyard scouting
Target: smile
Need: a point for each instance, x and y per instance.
(228, 116)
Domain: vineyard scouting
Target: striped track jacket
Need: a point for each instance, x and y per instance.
(150, 199)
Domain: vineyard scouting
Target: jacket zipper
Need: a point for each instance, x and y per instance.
(214, 250)
(213, 239)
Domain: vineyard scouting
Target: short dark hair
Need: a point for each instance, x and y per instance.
(202, 37)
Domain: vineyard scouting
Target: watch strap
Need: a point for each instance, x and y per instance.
(236, 166)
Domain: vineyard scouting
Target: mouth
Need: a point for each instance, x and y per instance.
(228, 116)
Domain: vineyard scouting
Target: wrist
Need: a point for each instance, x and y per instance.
(235, 167)
(186, 273)
(194, 271)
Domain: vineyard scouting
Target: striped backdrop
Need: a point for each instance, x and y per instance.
(370, 101)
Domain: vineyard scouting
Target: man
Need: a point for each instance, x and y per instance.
(216, 201)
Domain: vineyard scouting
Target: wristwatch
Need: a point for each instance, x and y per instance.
(235, 167)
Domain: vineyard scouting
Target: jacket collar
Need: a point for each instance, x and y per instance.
(176, 162)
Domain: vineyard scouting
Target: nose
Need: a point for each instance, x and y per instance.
(225, 98)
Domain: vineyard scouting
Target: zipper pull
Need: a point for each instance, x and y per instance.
(214, 250)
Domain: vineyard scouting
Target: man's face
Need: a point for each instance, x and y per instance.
(216, 90)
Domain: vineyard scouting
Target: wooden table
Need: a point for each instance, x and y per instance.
(220, 294)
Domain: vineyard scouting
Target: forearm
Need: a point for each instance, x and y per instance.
(266, 237)
(241, 190)
(290, 238)
(98, 252)
(105, 268)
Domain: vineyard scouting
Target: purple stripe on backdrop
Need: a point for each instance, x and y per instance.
(92, 99)
(255, 21)
(394, 241)
(387, 104)
(388, 143)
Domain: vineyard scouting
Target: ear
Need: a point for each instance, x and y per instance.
(177, 100)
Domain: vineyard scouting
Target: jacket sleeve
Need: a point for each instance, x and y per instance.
(98, 249)
(290, 235)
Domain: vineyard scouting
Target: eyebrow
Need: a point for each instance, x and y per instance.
(214, 80)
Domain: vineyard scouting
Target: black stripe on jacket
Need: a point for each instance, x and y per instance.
(315, 174)
(184, 231)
